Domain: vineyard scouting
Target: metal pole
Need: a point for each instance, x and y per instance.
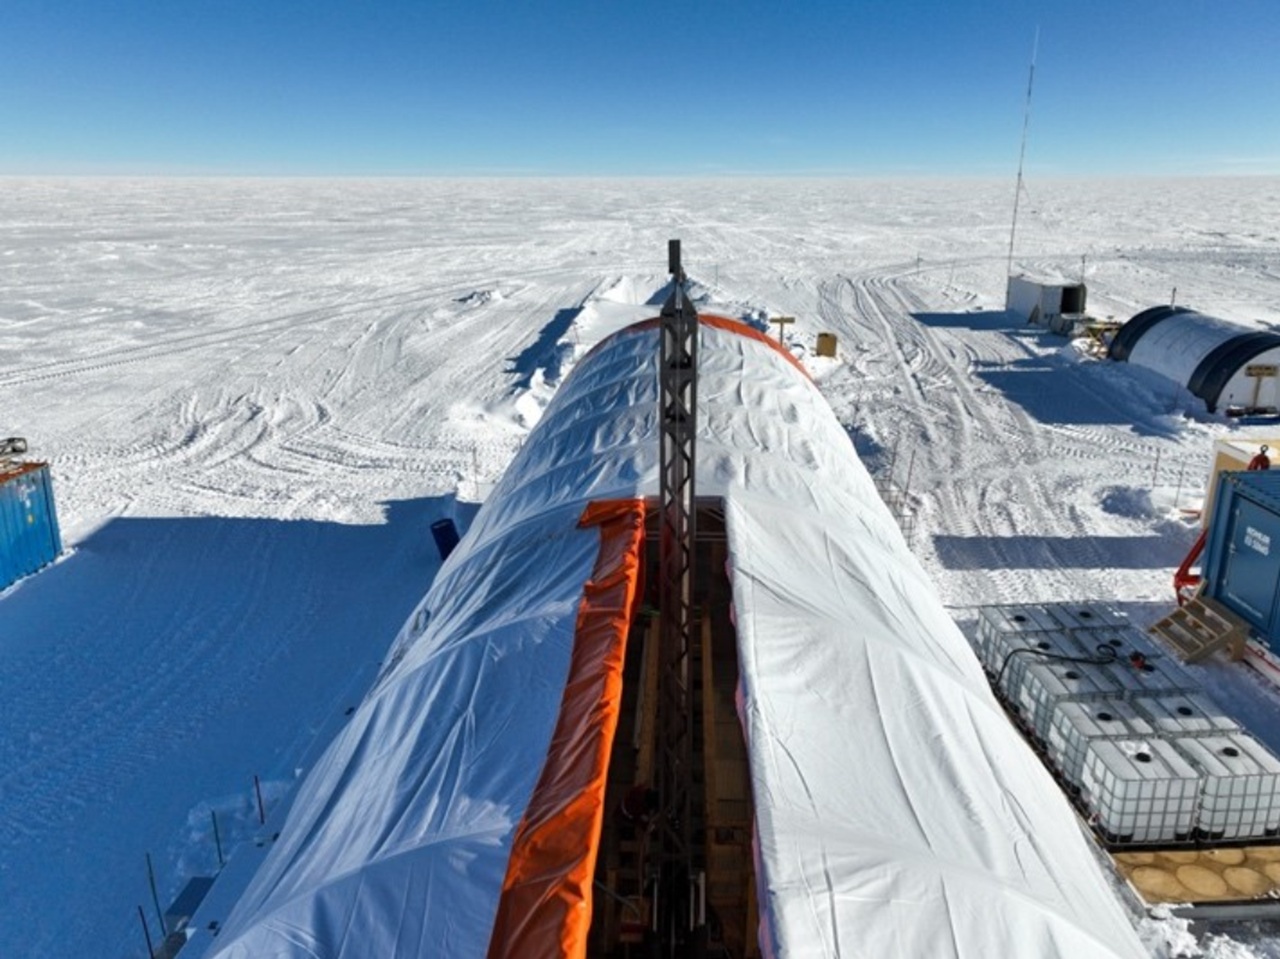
(142, 917)
(217, 837)
(1155, 470)
(677, 412)
(262, 810)
(155, 897)
(1022, 153)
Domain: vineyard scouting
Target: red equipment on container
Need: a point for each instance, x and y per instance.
(1185, 582)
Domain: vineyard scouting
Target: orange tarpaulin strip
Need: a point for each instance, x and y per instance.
(719, 323)
(751, 333)
(545, 908)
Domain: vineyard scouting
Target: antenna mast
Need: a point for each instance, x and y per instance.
(680, 913)
(1022, 153)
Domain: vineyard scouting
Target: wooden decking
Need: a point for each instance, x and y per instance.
(1203, 875)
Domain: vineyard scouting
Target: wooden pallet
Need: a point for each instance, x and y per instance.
(1200, 628)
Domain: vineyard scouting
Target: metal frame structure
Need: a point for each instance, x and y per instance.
(680, 913)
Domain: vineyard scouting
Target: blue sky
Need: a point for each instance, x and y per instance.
(861, 87)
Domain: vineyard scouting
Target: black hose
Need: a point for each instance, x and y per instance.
(1106, 654)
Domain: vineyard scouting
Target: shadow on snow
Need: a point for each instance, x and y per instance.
(1057, 552)
(163, 663)
(547, 352)
(997, 320)
(1059, 392)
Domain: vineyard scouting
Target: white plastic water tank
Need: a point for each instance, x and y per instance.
(1240, 786)
(1151, 676)
(1140, 790)
(1087, 616)
(1074, 725)
(1046, 684)
(1108, 640)
(995, 622)
(1192, 714)
(1012, 654)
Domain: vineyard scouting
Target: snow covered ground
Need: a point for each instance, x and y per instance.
(257, 396)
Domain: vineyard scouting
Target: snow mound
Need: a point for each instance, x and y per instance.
(1128, 502)
(481, 297)
(1166, 935)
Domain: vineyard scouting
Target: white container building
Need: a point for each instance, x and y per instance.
(1051, 302)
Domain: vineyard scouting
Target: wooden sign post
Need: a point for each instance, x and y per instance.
(1260, 372)
(782, 322)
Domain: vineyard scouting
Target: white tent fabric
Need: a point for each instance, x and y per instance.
(1227, 366)
(1178, 344)
(898, 813)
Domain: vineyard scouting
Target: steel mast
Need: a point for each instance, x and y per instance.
(679, 918)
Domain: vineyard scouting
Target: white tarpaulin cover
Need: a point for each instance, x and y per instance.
(898, 812)
(1179, 343)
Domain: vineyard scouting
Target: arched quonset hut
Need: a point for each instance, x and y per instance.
(888, 807)
(1230, 367)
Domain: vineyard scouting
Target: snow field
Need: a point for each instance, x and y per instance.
(257, 395)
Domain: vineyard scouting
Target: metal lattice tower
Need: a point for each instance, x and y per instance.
(677, 410)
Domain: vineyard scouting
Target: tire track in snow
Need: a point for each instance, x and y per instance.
(984, 445)
(355, 395)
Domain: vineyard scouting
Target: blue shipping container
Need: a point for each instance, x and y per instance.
(1242, 553)
(29, 537)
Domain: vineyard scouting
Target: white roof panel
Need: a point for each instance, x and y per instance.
(1176, 345)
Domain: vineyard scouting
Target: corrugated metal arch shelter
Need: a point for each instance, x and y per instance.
(897, 812)
(1228, 366)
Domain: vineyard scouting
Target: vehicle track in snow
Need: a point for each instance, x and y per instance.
(1004, 493)
(232, 379)
(364, 391)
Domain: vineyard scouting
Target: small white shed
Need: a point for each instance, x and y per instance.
(1053, 303)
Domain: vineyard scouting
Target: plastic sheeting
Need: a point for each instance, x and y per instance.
(898, 813)
(1176, 345)
(1208, 356)
(398, 842)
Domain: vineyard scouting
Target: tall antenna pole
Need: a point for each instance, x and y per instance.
(1022, 153)
(676, 920)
